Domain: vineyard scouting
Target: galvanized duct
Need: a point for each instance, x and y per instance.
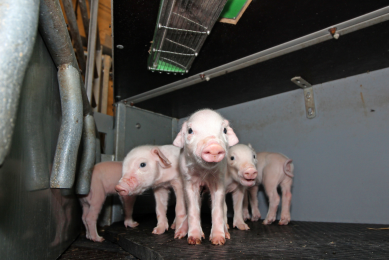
(18, 24)
(65, 159)
(72, 20)
(53, 30)
(88, 158)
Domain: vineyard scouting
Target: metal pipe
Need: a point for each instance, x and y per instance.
(68, 6)
(65, 159)
(97, 80)
(88, 158)
(84, 15)
(19, 21)
(349, 26)
(94, 8)
(104, 92)
(53, 30)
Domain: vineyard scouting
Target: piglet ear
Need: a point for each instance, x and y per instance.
(180, 139)
(232, 138)
(160, 158)
(249, 145)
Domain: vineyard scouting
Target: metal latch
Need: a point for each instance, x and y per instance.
(308, 96)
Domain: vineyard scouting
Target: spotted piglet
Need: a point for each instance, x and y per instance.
(274, 170)
(156, 167)
(205, 138)
(242, 173)
(105, 176)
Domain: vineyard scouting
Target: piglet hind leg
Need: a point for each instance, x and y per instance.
(237, 197)
(91, 220)
(128, 204)
(286, 185)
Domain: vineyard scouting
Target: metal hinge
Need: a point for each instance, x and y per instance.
(308, 96)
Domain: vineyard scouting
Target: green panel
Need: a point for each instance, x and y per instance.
(232, 8)
(168, 67)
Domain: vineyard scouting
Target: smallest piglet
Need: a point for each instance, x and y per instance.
(274, 170)
(242, 173)
(105, 176)
(156, 167)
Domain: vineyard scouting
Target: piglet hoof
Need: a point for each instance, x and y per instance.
(158, 230)
(130, 223)
(246, 215)
(242, 226)
(218, 240)
(194, 240)
(228, 236)
(97, 239)
(284, 221)
(173, 226)
(268, 221)
(179, 234)
(255, 217)
(228, 226)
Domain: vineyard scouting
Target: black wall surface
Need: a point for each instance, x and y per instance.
(265, 24)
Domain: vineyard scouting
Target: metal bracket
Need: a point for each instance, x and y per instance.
(308, 96)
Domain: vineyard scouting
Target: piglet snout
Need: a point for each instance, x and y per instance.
(250, 174)
(213, 153)
(122, 191)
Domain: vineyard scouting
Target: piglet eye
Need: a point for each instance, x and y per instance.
(142, 165)
(225, 130)
(232, 158)
(190, 131)
(254, 156)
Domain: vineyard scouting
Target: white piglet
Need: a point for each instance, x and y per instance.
(242, 173)
(274, 170)
(205, 138)
(156, 167)
(105, 176)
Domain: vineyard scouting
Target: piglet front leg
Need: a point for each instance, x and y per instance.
(161, 199)
(219, 231)
(246, 214)
(128, 205)
(195, 232)
(237, 197)
(255, 214)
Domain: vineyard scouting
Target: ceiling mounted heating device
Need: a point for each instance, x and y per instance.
(182, 27)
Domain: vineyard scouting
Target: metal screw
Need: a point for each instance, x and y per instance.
(137, 125)
(308, 96)
(119, 46)
(207, 78)
(234, 18)
(118, 97)
(310, 111)
(298, 81)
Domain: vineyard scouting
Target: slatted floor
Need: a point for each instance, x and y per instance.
(298, 240)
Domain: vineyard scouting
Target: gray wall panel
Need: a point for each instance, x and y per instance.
(340, 157)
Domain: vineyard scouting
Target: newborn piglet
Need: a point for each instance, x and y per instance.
(105, 176)
(156, 167)
(274, 170)
(242, 173)
(205, 138)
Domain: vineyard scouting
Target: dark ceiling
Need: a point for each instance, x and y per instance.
(265, 23)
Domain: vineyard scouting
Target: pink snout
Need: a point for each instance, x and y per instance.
(250, 174)
(121, 190)
(213, 153)
(126, 185)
